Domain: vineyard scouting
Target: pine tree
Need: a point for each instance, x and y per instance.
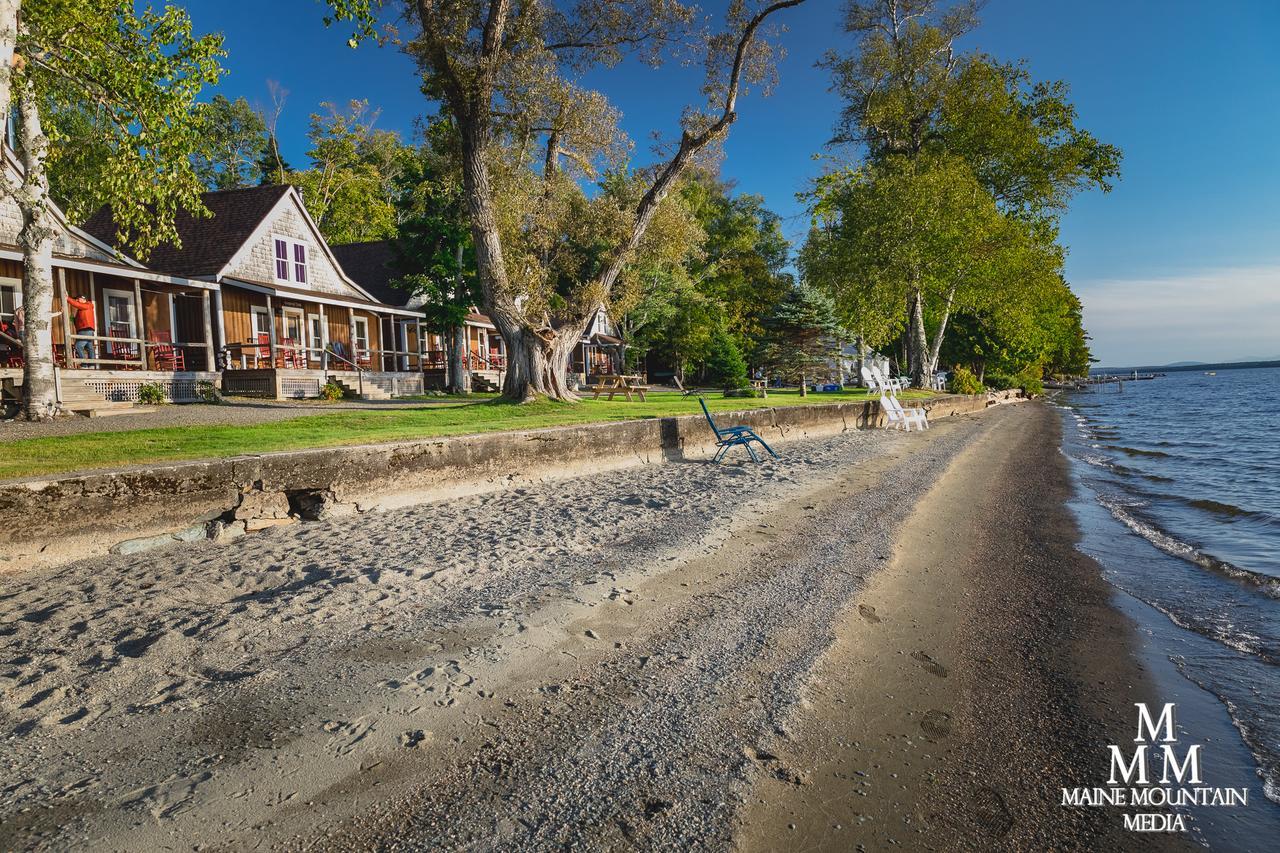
(801, 336)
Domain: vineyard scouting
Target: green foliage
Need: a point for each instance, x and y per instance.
(350, 187)
(801, 336)
(967, 164)
(744, 253)
(433, 238)
(725, 365)
(233, 144)
(207, 392)
(332, 391)
(962, 381)
(723, 270)
(117, 89)
(152, 394)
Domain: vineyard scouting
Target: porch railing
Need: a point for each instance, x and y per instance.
(438, 359)
(130, 352)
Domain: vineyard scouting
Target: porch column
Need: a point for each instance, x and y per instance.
(66, 319)
(324, 340)
(271, 331)
(222, 328)
(210, 364)
(351, 322)
(141, 321)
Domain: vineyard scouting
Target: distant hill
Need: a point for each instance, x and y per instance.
(1189, 365)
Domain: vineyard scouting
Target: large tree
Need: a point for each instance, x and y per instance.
(503, 69)
(433, 243)
(105, 92)
(955, 132)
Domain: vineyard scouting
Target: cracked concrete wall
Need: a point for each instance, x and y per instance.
(49, 521)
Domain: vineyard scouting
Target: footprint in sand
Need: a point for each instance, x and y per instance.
(935, 723)
(930, 665)
(869, 613)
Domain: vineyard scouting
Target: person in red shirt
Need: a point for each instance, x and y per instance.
(82, 318)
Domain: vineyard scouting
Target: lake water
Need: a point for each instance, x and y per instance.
(1178, 494)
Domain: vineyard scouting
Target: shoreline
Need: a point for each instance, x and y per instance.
(980, 673)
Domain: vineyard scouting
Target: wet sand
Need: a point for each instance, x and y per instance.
(983, 671)
(672, 657)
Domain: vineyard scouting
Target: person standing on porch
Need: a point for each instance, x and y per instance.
(85, 324)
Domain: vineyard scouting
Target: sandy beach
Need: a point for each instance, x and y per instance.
(880, 639)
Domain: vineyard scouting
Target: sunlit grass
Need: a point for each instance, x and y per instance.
(56, 454)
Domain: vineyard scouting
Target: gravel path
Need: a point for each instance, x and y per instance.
(592, 662)
(232, 412)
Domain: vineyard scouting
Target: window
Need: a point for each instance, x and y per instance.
(293, 326)
(317, 336)
(121, 320)
(261, 323)
(291, 259)
(300, 263)
(282, 259)
(10, 299)
(361, 325)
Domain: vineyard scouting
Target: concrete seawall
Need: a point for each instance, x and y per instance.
(53, 520)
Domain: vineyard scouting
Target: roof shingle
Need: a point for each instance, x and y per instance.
(373, 266)
(208, 243)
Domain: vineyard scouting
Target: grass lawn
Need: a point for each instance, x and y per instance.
(31, 457)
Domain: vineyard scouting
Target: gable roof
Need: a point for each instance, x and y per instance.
(208, 243)
(372, 265)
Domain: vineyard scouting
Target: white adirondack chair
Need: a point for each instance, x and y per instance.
(900, 418)
(887, 383)
(869, 379)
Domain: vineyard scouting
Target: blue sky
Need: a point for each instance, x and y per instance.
(1180, 262)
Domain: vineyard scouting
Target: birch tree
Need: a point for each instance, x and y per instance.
(126, 80)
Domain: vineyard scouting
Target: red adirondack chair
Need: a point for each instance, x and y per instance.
(288, 353)
(122, 351)
(167, 356)
(264, 350)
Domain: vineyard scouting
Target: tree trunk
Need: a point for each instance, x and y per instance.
(862, 358)
(918, 342)
(804, 386)
(538, 362)
(39, 389)
(459, 376)
(8, 41)
(936, 352)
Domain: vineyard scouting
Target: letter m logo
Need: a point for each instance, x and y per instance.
(1120, 770)
(1147, 730)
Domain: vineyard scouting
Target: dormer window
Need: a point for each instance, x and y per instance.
(291, 259)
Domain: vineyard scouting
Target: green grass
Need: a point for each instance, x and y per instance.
(58, 454)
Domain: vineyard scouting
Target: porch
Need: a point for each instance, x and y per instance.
(484, 357)
(136, 320)
(286, 343)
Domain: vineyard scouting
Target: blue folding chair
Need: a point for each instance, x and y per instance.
(727, 437)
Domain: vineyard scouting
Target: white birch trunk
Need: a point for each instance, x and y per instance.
(39, 391)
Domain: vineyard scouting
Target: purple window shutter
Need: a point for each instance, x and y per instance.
(282, 260)
(300, 262)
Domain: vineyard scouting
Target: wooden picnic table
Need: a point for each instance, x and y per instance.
(619, 384)
(761, 385)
